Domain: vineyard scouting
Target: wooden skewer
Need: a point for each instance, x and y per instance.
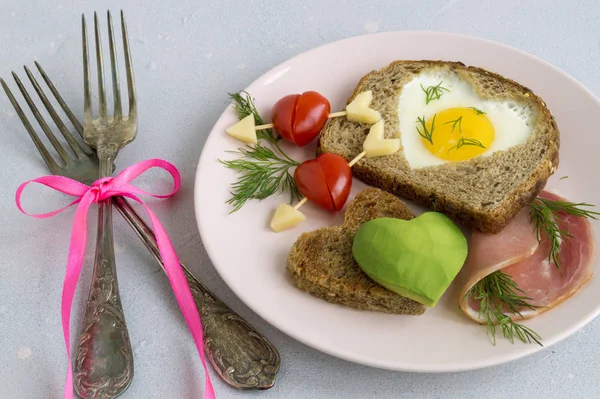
(302, 202)
(263, 127)
(351, 164)
(270, 125)
(336, 114)
(357, 158)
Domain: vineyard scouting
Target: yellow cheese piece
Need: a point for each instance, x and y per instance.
(375, 145)
(359, 109)
(244, 130)
(285, 217)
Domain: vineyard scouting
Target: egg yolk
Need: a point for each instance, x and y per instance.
(457, 134)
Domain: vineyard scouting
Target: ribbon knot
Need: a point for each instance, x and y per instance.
(100, 190)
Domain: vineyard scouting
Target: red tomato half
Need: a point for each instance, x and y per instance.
(312, 111)
(300, 118)
(283, 114)
(338, 177)
(325, 180)
(311, 182)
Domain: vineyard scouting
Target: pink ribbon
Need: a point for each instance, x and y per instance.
(101, 190)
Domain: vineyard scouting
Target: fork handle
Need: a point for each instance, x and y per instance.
(242, 357)
(104, 363)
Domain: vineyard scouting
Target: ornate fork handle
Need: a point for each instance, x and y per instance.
(104, 364)
(241, 355)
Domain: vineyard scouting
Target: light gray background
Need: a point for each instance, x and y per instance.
(188, 55)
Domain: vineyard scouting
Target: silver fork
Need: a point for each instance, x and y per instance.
(104, 364)
(242, 356)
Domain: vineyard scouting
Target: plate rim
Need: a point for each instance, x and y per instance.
(501, 358)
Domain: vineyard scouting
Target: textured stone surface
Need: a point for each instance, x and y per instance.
(187, 57)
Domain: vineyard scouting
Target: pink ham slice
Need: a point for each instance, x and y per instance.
(516, 252)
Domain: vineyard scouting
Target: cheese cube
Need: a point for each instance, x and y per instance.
(285, 217)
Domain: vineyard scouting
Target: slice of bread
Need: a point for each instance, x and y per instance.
(321, 262)
(483, 193)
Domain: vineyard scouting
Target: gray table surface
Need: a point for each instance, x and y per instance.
(188, 55)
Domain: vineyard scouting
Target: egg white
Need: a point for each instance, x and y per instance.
(513, 122)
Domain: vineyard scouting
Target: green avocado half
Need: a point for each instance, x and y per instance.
(416, 258)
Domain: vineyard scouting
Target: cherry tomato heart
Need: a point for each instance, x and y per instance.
(299, 118)
(311, 182)
(325, 180)
(338, 177)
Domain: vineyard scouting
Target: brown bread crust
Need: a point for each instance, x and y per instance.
(518, 185)
(321, 262)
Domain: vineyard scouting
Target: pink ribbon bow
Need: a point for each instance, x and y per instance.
(101, 190)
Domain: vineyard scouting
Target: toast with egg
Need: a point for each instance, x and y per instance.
(321, 261)
(482, 191)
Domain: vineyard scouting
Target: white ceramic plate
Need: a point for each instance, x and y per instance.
(251, 258)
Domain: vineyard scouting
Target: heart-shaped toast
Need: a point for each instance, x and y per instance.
(321, 262)
(416, 258)
(482, 193)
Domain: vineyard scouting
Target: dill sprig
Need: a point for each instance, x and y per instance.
(544, 214)
(479, 112)
(433, 92)
(426, 133)
(463, 140)
(466, 141)
(264, 173)
(243, 105)
(456, 122)
(499, 296)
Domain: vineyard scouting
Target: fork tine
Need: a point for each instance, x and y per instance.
(55, 143)
(60, 100)
(50, 162)
(100, 63)
(61, 126)
(87, 100)
(114, 68)
(129, 70)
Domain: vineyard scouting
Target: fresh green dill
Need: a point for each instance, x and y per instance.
(243, 105)
(434, 92)
(264, 173)
(463, 141)
(466, 141)
(499, 297)
(426, 133)
(456, 122)
(544, 214)
(479, 112)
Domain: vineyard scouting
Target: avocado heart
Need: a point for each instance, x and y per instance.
(416, 258)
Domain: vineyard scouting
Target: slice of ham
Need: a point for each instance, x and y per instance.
(516, 251)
